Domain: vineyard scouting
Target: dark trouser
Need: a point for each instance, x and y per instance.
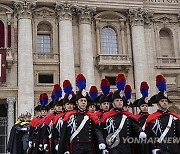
(82, 148)
(121, 149)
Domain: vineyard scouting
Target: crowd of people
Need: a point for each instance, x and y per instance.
(93, 123)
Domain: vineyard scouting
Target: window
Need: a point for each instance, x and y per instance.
(45, 78)
(111, 79)
(166, 42)
(44, 43)
(44, 38)
(1, 34)
(109, 43)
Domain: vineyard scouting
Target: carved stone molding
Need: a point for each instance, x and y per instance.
(24, 9)
(64, 10)
(11, 101)
(44, 12)
(165, 19)
(85, 14)
(139, 16)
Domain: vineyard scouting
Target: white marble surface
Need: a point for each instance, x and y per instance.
(25, 68)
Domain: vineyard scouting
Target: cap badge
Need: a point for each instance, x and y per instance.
(69, 97)
(121, 93)
(83, 93)
(165, 93)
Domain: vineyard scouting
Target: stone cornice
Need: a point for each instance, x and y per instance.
(139, 16)
(85, 14)
(24, 9)
(64, 10)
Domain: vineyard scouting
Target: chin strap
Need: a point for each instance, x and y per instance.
(160, 108)
(82, 110)
(119, 109)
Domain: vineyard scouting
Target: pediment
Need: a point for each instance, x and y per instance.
(45, 12)
(110, 15)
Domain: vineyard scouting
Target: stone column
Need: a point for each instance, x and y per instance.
(123, 37)
(67, 68)
(25, 57)
(10, 102)
(139, 48)
(86, 51)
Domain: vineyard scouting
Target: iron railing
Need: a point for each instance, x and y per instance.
(3, 134)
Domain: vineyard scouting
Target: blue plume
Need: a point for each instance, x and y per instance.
(58, 94)
(53, 97)
(67, 87)
(81, 84)
(105, 90)
(161, 86)
(144, 92)
(161, 83)
(120, 85)
(81, 81)
(128, 95)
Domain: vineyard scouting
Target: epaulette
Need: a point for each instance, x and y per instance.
(36, 122)
(57, 117)
(68, 114)
(113, 113)
(24, 123)
(93, 117)
(99, 113)
(108, 114)
(32, 122)
(17, 122)
(49, 118)
(42, 120)
(152, 117)
(138, 116)
(176, 115)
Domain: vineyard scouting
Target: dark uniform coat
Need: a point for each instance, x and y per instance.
(156, 124)
(141, 118)
(110, 123)
(82, 143)
(15, 145)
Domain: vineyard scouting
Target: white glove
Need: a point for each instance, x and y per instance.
(155, 151)
(142, 135)
(105, 152)
(40, 147)
(102, 146)
(67, 152)
(30, 144)
(57, 147)
(46, 147)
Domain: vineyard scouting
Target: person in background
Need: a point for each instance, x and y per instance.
(104, 99)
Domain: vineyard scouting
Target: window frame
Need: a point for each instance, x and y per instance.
(44, 73)
(117, 41)
(44, 32)
(167, 30)
(50, 49)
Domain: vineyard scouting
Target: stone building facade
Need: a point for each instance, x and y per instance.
(43, 42)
